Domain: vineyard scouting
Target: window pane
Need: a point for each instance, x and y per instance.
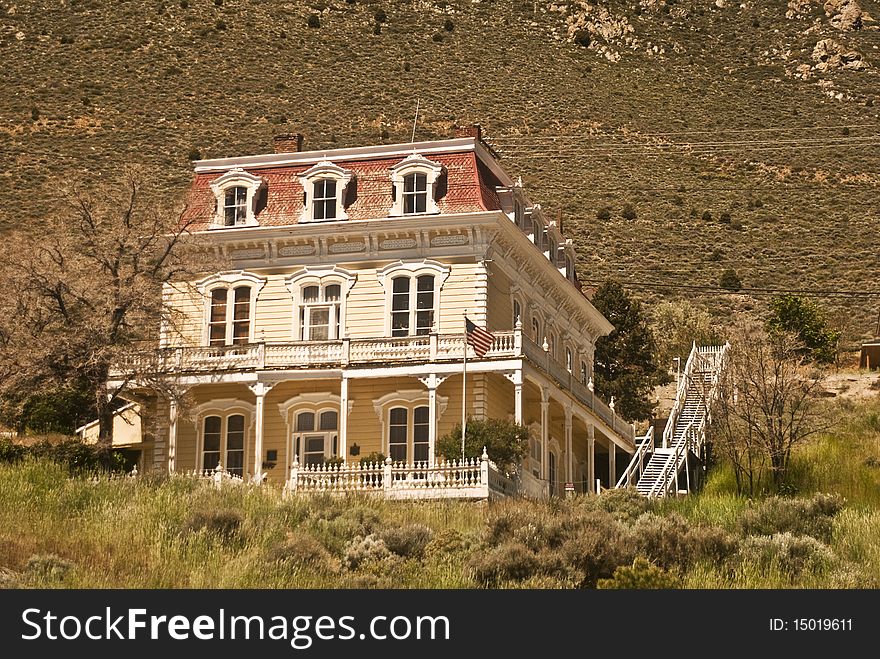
(236, 423)
(400, 285)
(211, 459)
(424, 322)
(319, 323)
(241, 332)
(421, 202)
(212, 433)
(329, 420)
(314, 444)
(218, 334)
(242, 303)
(305, 421)
(310, 294)
(235, 462)
(332, 292)
(398, 416)
(218, 305)
(400, 323)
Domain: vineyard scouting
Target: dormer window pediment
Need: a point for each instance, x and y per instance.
(415, 184)
(324, 192)
(236, 193)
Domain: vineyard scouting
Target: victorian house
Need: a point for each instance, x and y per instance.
(337, 334)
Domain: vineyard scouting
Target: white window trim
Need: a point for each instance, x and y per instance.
(230, 280)
(320, 276)
(410, 399)
(413, 163)
(224, 408)
(322, 170)
(308, 402)
(412, 269)
(235, 178)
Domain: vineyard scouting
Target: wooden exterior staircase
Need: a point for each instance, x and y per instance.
(658, 471)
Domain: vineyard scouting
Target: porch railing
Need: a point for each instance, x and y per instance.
(474, 478)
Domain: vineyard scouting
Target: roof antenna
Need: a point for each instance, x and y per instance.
(415, 121)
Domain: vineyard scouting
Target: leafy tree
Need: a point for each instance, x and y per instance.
(86, 290)
(792, 313)
(730, 280)
(506, 442)
(625, 360)
(678, 325)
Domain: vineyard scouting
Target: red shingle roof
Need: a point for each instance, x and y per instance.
(466, 190)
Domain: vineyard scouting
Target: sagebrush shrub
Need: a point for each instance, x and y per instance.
(10, 579)
(813, 517)
(508, 561)
(364, 549)
(302, 550)
(594, 546)
(625, 504)
(47, 567)
(642, 574)
(409, 540)
(787, 553)
(663, 539)
(447, 542)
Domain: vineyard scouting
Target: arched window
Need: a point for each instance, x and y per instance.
(537, 234)
(412, 305)
(316, 436)
(416, 186)
(551, 344)
(408, 434)
(319, 312)
(569, 363)
(536, 331)
(324, 192)
(223, 443)
(517, 313)
(585, 375)
(230, 320)
(551, 474)
(415, 193)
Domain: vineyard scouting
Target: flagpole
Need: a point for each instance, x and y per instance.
(464, 387)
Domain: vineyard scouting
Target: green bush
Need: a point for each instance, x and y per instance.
(642, 574)
(625, 504)
(11, 452)
(313, 21)
(447, 542)
(812, 517)
(10, 579)
(448, 25)
(380, 16)
(409, 540)
(505, 442)
(437, 37)
(595, 548)
(628, 212)
(663, 539)
(603, 214)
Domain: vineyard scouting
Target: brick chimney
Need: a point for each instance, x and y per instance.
(474, 130)
(288, 143)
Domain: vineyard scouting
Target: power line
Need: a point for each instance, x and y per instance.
(719, 131)
(746, 290)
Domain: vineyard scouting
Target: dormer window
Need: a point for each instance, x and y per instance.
(324, 192)
(415, 186)
(235, 206)
(238, 194)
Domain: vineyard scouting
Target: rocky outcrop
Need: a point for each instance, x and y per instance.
(845, 14)
(830, 56)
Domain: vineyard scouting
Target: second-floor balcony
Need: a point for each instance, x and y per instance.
(354, 353)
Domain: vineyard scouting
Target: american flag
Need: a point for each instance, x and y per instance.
(480, 339)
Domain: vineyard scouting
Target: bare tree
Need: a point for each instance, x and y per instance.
(86, 288)
(769, 405)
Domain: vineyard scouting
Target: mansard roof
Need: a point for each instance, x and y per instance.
(469, 179)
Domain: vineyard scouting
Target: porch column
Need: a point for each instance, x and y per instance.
(569, 461)
(545, 434)
(612, 464)
(518, 397)
(172, 435)
(432, 418)
(591, 458)
(343, 419)
(260, 389)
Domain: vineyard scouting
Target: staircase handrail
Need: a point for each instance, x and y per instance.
(669, 473)
(680, 394)
(643, 447)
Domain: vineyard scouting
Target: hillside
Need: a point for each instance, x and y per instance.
(744, 135)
